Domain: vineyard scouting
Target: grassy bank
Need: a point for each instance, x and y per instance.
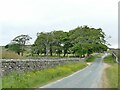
(90, 59)
(39, 78)
(6, 54)
(109, 59)
(111, 72)
(0, 83)
(93, 57)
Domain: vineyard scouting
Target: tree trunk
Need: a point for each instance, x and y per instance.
(18, 53)
(22, 50)
(44, 51)
(65, 51)
(50, 50)
(22, 53)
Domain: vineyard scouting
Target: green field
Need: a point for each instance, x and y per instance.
(7, 54)
(111, 72)
(39, 78)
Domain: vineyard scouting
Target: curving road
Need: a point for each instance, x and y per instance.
(89, 77)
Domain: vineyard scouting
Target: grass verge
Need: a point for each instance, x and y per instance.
(0, 83)
(90, 59)
(109, 59)
(39, 78)
(111, 72)
(99, 55)
(93, 57)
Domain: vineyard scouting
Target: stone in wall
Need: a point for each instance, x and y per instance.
(8, 66)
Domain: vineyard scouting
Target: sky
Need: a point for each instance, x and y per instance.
(32, 16)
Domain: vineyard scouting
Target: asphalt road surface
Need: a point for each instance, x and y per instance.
(89, 77)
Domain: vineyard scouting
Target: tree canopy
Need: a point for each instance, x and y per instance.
(18, 43)
(80, 41)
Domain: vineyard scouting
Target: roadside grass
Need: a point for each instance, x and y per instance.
(111, 72)
(93, 57)
(90, 59)
(38, 78)
(99, 55)
(0, 83)
(109, 59)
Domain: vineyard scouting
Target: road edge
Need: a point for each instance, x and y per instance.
(44, 86)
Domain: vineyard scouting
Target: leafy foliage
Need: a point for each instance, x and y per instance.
(18, 44)
(80, 41)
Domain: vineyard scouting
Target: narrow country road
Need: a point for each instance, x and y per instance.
(90, 77)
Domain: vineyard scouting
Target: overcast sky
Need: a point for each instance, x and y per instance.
(31, 16)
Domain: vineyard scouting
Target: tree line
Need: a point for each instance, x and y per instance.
(79, 42)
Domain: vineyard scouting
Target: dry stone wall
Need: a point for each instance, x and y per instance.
(8, 66)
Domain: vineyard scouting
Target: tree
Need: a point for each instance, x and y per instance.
(41, 43)
(21, 41)
(80, 41)
(66, 43)
(59, 41)
(51, 41)
(88, 39)
(14, 47)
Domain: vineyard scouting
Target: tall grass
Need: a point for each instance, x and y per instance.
(39, 78)
(6, 54)
(111, 72)
(0, 83)
(109, 59)
(112, 75)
